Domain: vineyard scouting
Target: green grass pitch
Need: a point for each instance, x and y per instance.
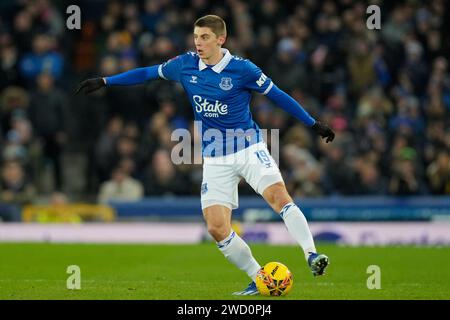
(179, 272)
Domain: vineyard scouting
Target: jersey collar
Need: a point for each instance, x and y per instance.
(219, 66)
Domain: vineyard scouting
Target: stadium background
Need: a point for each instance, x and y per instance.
(386, 94)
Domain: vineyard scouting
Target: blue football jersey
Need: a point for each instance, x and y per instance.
(220, 97)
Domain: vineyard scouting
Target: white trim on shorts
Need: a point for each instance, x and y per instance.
(267, 181)
(213, 202)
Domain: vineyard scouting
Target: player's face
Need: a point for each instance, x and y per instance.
(206, 42)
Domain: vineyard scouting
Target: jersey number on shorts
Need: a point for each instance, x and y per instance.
(264, 158)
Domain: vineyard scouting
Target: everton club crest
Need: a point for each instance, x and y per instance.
(225, 84)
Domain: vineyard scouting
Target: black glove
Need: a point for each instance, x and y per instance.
(323, 130)
(90, 85)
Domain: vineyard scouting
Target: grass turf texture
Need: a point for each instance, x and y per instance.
(38, 271)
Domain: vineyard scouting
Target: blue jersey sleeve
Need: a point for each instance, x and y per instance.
(135, 76)
(171, 70)
(255, 79)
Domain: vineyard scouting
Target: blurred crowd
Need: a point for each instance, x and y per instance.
(386, 93)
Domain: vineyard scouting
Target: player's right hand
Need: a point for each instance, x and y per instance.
(90, 85)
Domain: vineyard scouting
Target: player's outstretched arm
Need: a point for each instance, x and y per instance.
(286, 102)
(132, 77)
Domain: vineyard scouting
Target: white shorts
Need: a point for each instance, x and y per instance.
(221, 175)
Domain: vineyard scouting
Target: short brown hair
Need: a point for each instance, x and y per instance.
(215, 23)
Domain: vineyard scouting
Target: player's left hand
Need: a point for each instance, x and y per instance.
(323, 130)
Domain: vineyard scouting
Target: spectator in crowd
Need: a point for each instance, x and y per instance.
(121, 187)
(23, 30)
(9, 70)
(405, 180)
(106, 146)
(368, 179)
(15, 145)
(305, 171)
(361, 66)
(15, 190)
(48, 115)
(286, 68)
(162, 177)
(438, 173)
(339, 174)
(43, 59)
(13, 101)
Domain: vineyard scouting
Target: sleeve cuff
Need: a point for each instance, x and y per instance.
(160, 73)
(268, 88)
